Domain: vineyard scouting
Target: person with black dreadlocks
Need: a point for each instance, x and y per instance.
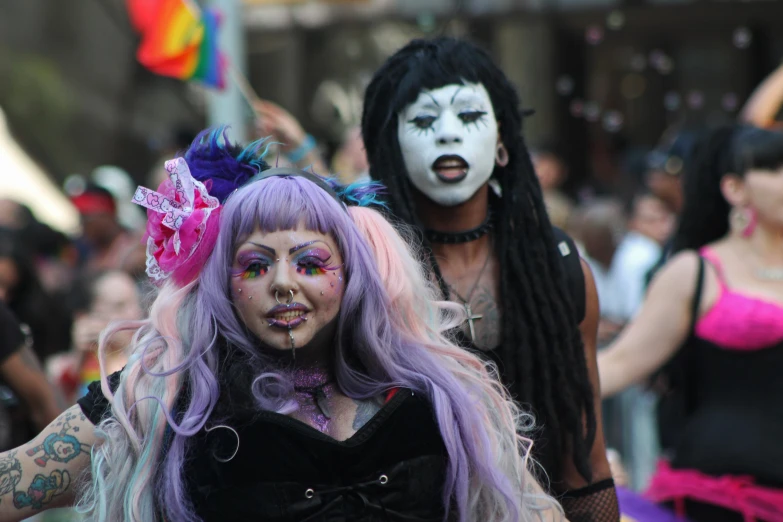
(442, 129)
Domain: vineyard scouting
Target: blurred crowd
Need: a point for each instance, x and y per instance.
(64, 291)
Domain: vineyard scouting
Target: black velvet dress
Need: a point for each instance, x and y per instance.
(392, 469)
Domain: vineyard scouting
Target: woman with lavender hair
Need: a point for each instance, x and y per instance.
(294, 367)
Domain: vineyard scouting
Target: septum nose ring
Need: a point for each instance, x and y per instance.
(290, 297)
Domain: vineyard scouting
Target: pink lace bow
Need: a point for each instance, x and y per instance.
(182, 225)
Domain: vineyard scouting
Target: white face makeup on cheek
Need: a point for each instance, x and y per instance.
(448, 138)
(288, 284)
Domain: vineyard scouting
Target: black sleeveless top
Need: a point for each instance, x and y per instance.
(392, 469)
(722, 415)
(543, 451)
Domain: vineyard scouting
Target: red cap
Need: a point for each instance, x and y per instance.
(94, 203)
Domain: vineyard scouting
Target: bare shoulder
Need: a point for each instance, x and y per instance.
(678, 276)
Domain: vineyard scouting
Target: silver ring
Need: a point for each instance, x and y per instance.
(232, 430)
(290, 297)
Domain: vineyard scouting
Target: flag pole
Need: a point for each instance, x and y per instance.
(243, 84)
(229, 106)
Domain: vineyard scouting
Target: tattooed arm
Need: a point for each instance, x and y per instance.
(42, 474)
(24, 375)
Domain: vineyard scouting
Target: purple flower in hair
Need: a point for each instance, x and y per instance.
(221, 165)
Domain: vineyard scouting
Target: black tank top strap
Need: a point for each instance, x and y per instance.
(677, 401)
(696, 301)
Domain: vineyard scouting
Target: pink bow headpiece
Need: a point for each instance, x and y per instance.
(182, 225)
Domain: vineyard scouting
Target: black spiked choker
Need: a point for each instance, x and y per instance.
(466, 236)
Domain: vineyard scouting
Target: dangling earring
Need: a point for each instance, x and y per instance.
(501, 156)
(743, 220)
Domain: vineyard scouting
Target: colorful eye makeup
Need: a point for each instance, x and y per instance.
(314, 261)
(254, 270)
(311, 262)
(311, 270)
(251, 266)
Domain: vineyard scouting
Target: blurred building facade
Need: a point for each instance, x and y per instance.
(602, 75)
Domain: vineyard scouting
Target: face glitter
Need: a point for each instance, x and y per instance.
(298, 304)
(314, 390)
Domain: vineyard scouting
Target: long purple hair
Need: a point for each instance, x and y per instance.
(135, 478)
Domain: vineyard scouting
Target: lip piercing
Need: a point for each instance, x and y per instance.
(290, 297)
(250, 297)
(239, 290)
(322, 293)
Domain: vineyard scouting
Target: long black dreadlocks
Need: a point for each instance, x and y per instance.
(734, 149)
(542, 353)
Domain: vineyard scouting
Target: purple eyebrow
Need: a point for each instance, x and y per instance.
(303, 245)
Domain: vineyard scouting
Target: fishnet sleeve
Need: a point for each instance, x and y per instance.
(594, 503)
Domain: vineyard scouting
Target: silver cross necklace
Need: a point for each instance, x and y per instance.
(466, 302)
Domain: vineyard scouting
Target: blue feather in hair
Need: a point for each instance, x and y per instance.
(362, 194)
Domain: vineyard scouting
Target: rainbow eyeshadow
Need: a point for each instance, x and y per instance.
(252, 266)
(312, 270)
(254, 270)
(314, 262)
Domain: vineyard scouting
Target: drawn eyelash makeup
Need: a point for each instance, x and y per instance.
(310, 263)
(311, 270)
(254, 270)
(251, 266)
(314, 262)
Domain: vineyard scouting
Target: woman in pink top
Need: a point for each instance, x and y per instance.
(711, 327)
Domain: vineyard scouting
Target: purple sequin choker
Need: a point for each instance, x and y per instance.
(313, 387)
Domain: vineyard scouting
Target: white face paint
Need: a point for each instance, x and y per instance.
(448, 138)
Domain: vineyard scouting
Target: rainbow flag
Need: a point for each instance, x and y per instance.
(89, 371)
(178, 40)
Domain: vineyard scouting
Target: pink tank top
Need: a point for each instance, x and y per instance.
(737, 321)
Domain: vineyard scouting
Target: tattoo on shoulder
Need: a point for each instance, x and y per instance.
(62, 446)
(365, 410)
